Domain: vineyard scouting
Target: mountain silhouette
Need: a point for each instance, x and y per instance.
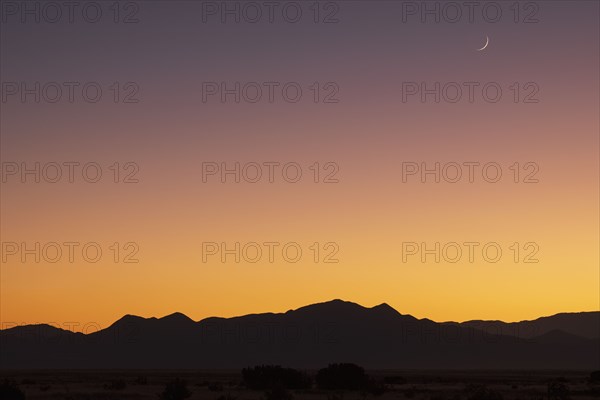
(311, 337)
(584, 324)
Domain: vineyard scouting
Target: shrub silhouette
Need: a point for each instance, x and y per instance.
(10, 391)
(273, 376)
(278, 392)
(335, 396)
(558, 390)
(344, 376)
(215, 387)
(394, 380)
(228, 396)
(118, 384)
(176, 390)
(481, 392)
(595, 376)
(375, 388)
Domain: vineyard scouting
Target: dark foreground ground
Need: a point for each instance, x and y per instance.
(228, 385)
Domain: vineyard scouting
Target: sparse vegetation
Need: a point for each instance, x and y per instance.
(10, 391)
(349, 376)
(482, 392)
(419, 385)
(175, 390)
(335, 396)
(215, 387)
(268, 377)
(375, 387)
(342, 377)
(278, 392)
(394, 380)
(558, 390)
(117, 384)
(228, 396)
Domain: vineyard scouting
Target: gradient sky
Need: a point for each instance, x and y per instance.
(369, 133)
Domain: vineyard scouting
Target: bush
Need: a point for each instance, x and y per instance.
(595, 377)
(10, 391)
(335, 396)
(118, 384)
(558, 390)
(343, 377)
(375, 388)
(481, 392)
(394, 380)
(215, 387)
(176, 390)
(278, 393)
(268, 377)
(227, 397)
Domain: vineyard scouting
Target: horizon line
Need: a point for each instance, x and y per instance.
(292, 310)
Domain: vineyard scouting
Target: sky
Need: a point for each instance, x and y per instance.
(362, 150)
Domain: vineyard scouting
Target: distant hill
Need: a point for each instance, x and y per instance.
(312, 337)
(584, 324)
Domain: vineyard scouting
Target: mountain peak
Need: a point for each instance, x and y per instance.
(126, 320)
(385, 308)
(332, 305)
(176, 316)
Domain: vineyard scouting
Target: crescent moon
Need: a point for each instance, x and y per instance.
(487, 41)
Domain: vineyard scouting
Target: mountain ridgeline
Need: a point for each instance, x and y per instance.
(310, 337)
